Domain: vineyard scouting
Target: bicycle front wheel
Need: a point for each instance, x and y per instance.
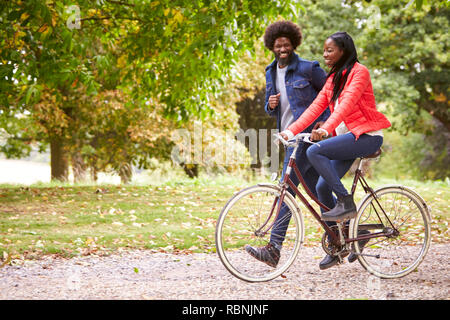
(244, 221)
(401, 214)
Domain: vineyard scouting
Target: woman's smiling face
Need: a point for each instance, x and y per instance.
(331, 52)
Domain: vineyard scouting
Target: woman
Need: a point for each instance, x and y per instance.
(354, 126)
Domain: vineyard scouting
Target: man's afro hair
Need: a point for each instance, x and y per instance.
(279, 29)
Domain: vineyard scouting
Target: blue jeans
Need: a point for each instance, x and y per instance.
(331, 160)
(333, 157)
(310, 176)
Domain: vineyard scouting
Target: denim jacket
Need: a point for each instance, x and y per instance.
(304, 79)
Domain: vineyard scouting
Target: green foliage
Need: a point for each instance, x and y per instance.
(415, 155)
(406, 51)
(437, 3)
(165, 57)
(176, 51)
(169, 62)
(413, 45)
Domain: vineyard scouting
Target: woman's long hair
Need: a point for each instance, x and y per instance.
(343, 67)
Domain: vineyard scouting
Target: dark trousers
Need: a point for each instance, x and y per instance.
(333, 157)
(310, 176)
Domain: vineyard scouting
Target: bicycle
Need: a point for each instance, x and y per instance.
(390, 234)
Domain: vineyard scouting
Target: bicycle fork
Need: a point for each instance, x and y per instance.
(278, 201)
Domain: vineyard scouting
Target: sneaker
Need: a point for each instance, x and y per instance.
(268, 254)
(353, 256)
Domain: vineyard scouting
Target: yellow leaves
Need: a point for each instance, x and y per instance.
(88, 246)
(45, 29)
(94, 12)
(89, 241)
(176, 17)
(24, 16)
(440, 97)
(6, 259)
(50, 115)
(122, 61)
(20, 34)
(16, 41)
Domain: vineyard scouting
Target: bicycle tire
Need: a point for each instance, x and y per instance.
(236, 226)
(398, 255)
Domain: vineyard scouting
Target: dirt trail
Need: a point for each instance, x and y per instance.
(145, 275)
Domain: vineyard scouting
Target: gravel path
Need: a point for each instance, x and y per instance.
(161, 276)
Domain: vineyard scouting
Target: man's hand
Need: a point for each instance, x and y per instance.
(274, 101)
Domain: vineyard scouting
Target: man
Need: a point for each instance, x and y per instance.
(292, 84)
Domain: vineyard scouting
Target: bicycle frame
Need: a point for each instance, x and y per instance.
(288, 182)
(334, 238)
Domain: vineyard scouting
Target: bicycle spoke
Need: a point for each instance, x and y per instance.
(408, 240)
(239, 225)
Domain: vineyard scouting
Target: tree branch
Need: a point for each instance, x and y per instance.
(110, 17)
(121, 3)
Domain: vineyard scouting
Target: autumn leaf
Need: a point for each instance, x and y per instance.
(6, 258)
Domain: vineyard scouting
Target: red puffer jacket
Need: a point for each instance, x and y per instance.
(356, 106)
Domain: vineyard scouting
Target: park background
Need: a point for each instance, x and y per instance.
(91, 93)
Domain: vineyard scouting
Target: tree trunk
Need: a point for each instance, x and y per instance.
(125, 173)
(78, 167)
(59, 161)
(94, 174)
(191, 170)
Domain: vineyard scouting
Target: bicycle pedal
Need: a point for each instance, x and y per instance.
(367, 255)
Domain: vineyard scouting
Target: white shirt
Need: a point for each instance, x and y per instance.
(287, 118)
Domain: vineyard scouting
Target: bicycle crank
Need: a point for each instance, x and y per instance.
(368, 255)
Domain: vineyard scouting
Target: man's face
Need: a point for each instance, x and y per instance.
(283, 49)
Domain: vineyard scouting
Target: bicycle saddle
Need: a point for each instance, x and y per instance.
(373, 155)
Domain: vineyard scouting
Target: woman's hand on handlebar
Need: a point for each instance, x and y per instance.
(316, 134)
(284, 136)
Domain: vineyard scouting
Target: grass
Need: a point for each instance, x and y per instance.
(73, 220)
(177, 216)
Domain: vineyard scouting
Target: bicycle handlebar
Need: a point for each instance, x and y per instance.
(301, 137)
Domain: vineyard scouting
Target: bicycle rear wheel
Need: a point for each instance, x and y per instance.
(402, 214)
(240, 223)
